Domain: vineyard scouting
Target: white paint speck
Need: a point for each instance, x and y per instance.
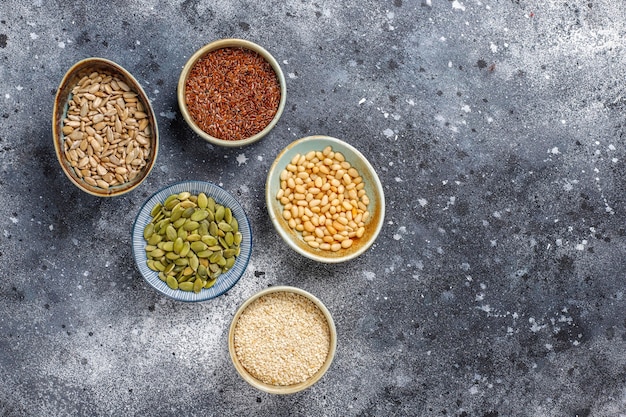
(554, 151)
(458, 5)
(422, 202)
(14, 220)
(19, 88)
(397, 236)
(61, 45)
(493, 47)
(86, 273)
(398, 179)
(292, 75)
(410, 102)
(137, 42)
(241, 158)
(51, 227)
(363, 100)
(168, 115)
(33, 36)
(388, 132)
(466, 109)
(473, 390)
(369, 275)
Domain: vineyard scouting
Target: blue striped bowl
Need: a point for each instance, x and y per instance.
(225, 281)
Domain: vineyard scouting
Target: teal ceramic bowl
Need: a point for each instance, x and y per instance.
(373, 189)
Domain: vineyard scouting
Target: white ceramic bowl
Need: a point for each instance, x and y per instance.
(225, 281)
(373, 188)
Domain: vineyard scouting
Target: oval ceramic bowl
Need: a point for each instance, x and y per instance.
(373, 188)
(230, 43)
(64, 95)
(226, 280)
(282, 389)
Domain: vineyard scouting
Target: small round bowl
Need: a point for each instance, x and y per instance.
(229, 43)
(373, 188)
(61, 105)
(225, 281)
(283, 389)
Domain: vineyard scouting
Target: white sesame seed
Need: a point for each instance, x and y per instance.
(282, 338)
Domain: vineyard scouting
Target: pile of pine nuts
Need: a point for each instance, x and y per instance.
(324, 198)
(106, 131)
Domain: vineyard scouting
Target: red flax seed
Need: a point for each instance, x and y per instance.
(232, 93)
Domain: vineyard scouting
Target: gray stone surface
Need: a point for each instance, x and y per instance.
(496, 287)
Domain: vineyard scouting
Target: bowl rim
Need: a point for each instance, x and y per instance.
(287, 236)
(59, 106)
(225, 43)
(282, 389)
(232, 276)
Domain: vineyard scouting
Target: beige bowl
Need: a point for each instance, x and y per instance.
(60, 112)
(373, 188)
(282, 389)
(229, 43)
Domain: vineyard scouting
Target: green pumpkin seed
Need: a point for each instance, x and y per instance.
(150, 248)
(188, 212)
(230, 239)
(225, 226)
(193, 261)
(229, 263)
(197, 285)
(182, 233)
(205, 254)
(172, 256)
(199, 215)
(154, 239)
(202, 271)
(150, 264)
(213, 229)
(159, 266)
(191, 226)
(229, 253)
(184, 195)
(185, 250)
(178, 223)
(198, 246)
(194, 237)
(228, 215)
(188, 204)
(210, 283)
(186, 286)
(171, 202)
(210, 205)
(209, 240)
(171, 282)
(181, 261)
(238, 237)
(148, 231)
(169, 268)
(155, 210)
(157, 253)
(177, 212)
(202, 200)
(178, 245)
(234, 224)
(219, 213)
(170, 232)
(162, 276)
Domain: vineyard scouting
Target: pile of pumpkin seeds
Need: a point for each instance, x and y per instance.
(191, 240)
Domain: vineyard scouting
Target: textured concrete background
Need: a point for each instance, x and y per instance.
(496, 287)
